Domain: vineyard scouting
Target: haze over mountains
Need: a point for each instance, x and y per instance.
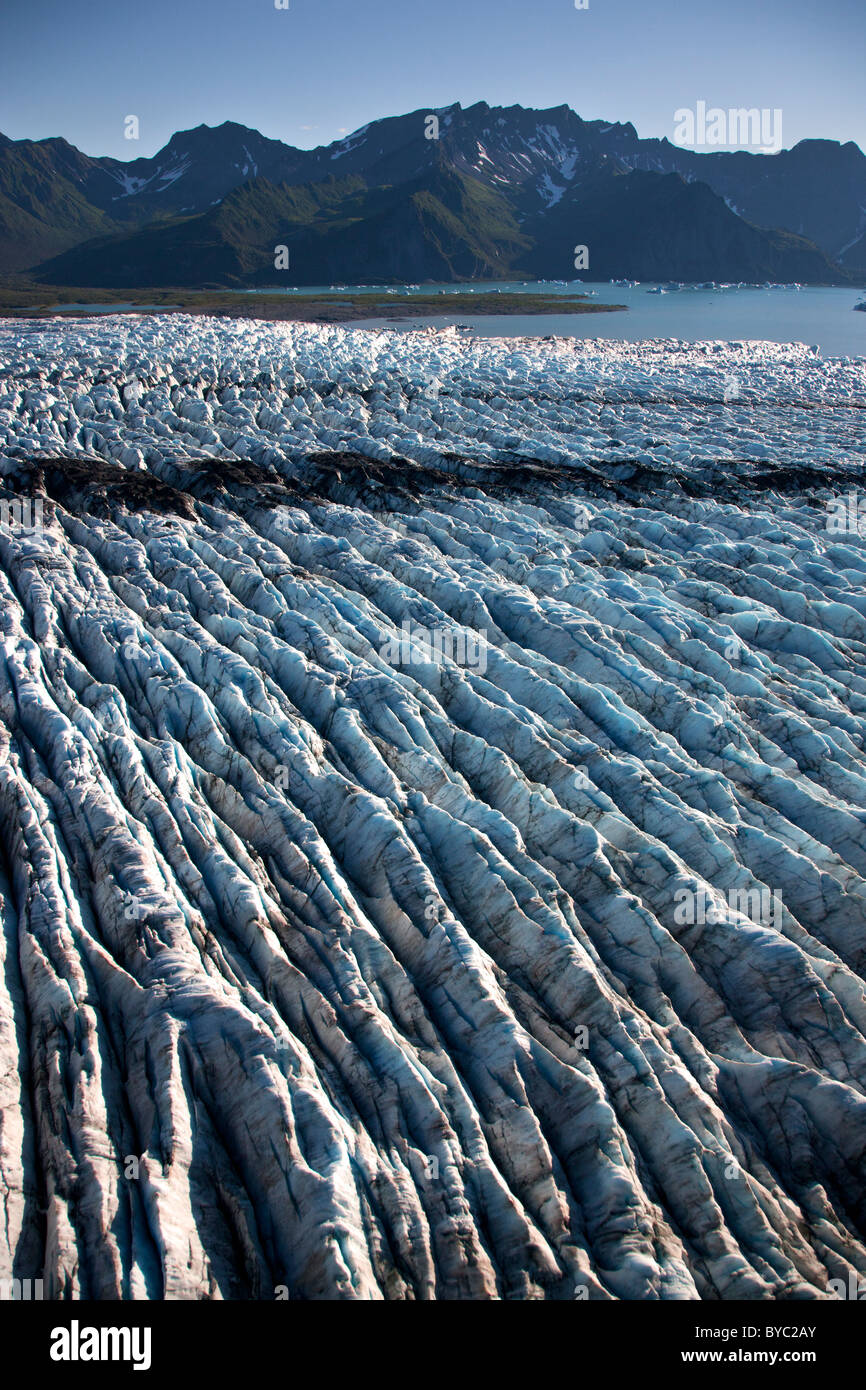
(502, 192)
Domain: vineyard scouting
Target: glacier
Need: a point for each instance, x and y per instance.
(337, 965)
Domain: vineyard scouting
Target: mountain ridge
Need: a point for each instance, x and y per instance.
(56, 202)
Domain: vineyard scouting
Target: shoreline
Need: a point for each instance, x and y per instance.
(284, 308)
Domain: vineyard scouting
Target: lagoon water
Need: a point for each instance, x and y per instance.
(816, 316)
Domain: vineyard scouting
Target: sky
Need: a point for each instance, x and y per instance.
(309, 73)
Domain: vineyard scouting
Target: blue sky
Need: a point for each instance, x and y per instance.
(320, 68)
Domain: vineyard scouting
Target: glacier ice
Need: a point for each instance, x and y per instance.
(367, 978)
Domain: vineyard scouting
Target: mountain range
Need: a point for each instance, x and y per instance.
(499, 192)
(432, 812)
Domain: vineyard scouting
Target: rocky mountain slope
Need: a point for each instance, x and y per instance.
(526, 166)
